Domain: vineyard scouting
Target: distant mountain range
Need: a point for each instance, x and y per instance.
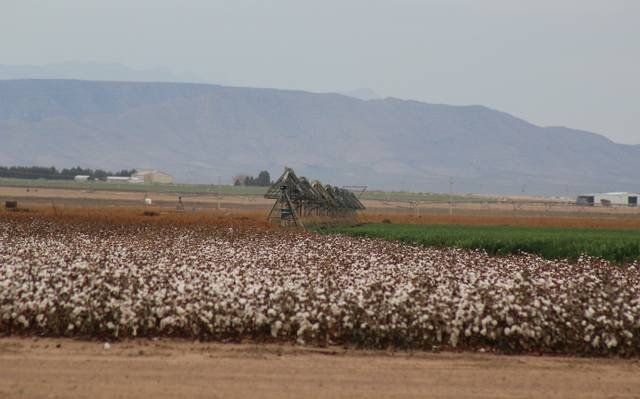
(198, 132)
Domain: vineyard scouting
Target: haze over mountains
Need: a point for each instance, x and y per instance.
(198, 132)
(109, 71)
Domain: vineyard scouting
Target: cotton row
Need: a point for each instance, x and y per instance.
(220, 283)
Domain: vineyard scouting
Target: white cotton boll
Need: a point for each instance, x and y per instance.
(275, 328)
(107, 346)
(22, 320)
(261, 319)
(629, 317)
(167, 321)
(589, 312)
(335, 309)
(455, 334)
(304, 326)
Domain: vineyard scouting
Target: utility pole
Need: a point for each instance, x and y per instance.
(219, 191)
(450, 195)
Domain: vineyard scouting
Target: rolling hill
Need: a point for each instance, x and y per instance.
(198, 132)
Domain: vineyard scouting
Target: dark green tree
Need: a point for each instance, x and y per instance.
(263, 179)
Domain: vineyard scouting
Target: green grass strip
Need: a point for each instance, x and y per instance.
(620, 246)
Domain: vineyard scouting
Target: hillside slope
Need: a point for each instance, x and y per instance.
(198, 132)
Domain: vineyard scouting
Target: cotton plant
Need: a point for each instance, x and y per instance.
(115, 281)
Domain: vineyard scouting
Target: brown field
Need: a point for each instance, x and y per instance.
(136, 214)
(203, 208)
(257, 217)
(64, 368)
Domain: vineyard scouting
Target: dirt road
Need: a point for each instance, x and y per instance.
(62, 368)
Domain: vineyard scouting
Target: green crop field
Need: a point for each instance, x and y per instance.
(620, 246)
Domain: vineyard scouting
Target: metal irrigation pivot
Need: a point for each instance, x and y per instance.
(299, 202)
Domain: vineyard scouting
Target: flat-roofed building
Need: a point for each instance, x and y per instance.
(608, 199)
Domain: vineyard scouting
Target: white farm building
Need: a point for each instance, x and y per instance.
(608, 199)
(153, 176)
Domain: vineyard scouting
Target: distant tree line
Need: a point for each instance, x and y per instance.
(263, 180)
(51, 173)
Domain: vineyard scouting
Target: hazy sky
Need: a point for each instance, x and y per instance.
(553, 62)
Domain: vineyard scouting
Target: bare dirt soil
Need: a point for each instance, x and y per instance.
(72, 201)
(64, 368)
(234, 212)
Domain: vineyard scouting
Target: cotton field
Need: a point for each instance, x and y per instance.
(107, 280)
